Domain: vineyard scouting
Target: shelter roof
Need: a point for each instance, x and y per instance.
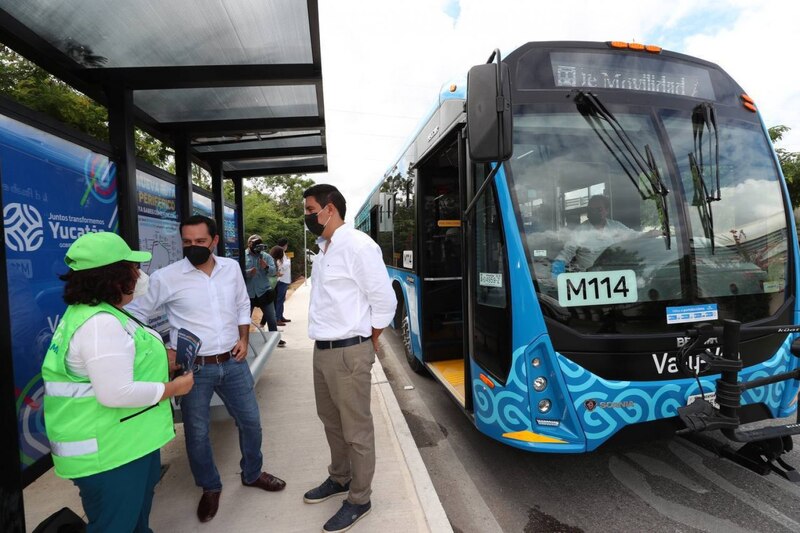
(242, 79)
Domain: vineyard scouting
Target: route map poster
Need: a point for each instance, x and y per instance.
(159, 231)
(54, 191)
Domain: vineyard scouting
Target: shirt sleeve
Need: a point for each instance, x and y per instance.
(143, 306)
(271, 270)
(373, 280)
(242, 300)
(106, 352)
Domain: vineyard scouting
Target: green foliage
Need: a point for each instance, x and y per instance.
(33, 87)
(273, 208)
(790, 164)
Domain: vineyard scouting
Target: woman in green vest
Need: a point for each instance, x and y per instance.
(106, 381)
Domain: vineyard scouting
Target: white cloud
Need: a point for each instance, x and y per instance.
(384, 61)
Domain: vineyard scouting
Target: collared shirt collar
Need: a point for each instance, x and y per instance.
(322, 240)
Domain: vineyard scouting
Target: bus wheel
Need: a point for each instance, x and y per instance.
(413, 362)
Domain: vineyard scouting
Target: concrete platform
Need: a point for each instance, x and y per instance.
(295, 449)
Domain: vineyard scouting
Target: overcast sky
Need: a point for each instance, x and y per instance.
(383, 62)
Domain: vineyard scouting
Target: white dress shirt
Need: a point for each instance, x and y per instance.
(351, 292)
(101, 350)
(286, 267)
(212, 307)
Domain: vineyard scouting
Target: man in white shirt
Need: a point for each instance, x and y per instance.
(206, 294)
(592, 237)
(352, 301)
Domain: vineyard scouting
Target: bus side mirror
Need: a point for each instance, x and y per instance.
(489, 113)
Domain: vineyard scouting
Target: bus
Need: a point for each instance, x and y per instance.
(592, 242)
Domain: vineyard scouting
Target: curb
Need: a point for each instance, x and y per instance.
(426, 493)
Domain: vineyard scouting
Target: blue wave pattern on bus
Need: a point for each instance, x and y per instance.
(658, 400)
(505, 407)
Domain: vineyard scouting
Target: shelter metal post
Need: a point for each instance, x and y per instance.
(12, 512)
(219, 204)
(238, 194)
(183, 174)
(121, 137)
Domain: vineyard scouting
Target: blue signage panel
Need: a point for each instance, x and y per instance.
(202, 205)
(54, 191)
(229, 215)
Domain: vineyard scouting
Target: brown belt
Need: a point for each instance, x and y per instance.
(209, 359)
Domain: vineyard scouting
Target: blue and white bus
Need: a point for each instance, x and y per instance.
(567, 239)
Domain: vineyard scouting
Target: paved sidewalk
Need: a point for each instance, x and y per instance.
(295, 449)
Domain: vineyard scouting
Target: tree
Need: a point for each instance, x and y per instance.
(790, 164)
(273, 208)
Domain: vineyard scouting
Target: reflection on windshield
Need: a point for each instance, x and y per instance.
(599, 250)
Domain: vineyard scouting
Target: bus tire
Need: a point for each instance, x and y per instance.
(405, 335)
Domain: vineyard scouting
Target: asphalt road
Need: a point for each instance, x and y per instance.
(666, 485)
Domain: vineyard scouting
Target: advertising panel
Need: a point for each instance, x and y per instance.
(202, 205)
(229, 215)
(54, 191)
(159, 231)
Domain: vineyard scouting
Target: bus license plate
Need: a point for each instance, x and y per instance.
(597, 288)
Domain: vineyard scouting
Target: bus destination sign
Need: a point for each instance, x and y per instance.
(602, 71)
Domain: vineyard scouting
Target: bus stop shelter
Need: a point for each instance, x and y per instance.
(235, 87)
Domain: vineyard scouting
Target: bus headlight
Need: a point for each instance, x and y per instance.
(545, 405)
(539, 384)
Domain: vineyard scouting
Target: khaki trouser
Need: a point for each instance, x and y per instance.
(342, 383)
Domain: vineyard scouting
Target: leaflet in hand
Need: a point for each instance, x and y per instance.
(187, 347)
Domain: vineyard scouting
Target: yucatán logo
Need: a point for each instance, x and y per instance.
(23, 226)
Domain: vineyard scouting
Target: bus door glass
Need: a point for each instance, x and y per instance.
(440, 247)
(491, 312)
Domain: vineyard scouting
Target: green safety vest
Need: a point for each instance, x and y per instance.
(86, 437)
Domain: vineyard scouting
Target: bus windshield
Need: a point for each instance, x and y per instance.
(609, 249)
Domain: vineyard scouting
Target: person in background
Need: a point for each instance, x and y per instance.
(278, 255)
(352, 301)
(206, 295)
(106, 382)
(284, 280)
(260, 271)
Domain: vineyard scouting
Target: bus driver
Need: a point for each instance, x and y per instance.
(592, 237)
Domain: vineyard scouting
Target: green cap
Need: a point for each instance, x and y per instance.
(93, 250)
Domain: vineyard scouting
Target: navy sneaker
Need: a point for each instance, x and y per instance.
(328, 489)
(347, 517)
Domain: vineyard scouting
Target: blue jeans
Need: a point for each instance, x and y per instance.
(120, 499)
(233, 383)
(267, 314)
(280, 298)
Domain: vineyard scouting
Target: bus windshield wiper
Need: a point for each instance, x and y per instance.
(633, 163)
(704, 118)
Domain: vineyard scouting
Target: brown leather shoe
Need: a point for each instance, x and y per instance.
(267, 482)
(207, 508)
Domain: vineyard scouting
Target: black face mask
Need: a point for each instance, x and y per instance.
(313, 224)
(197, 255)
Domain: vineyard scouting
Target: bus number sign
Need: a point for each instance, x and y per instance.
(597, 288)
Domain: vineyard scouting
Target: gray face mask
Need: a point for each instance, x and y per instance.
(142, 284)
